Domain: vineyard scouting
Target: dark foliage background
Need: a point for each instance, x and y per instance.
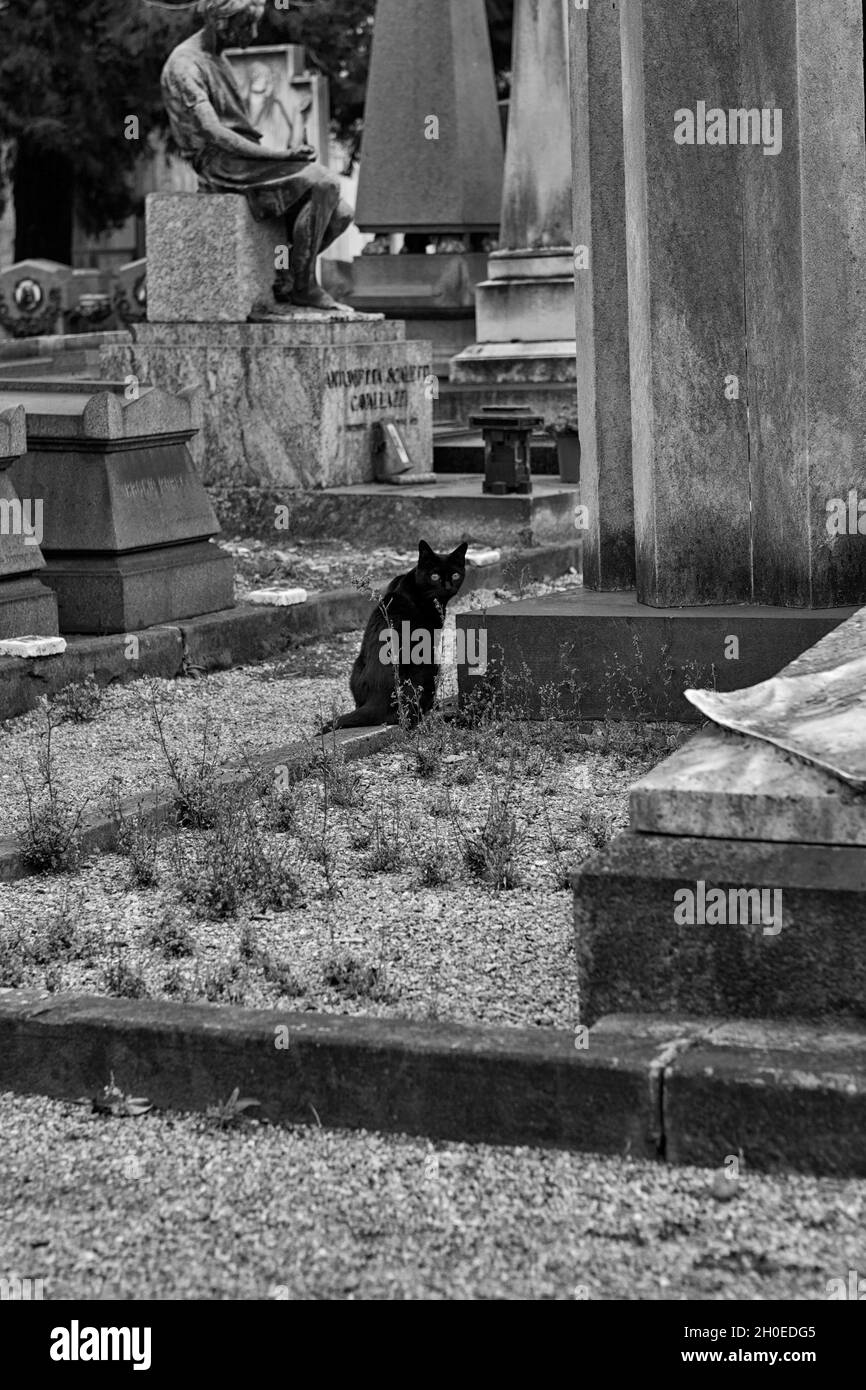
(72, 71)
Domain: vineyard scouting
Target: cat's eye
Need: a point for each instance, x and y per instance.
(434, 578)
(455, 576)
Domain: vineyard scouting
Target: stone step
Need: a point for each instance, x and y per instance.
(612, 657)
(452, 509)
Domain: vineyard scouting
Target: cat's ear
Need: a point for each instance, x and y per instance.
(459, 555)
(425, 551)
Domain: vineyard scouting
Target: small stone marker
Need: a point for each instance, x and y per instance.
(479, 558)
(33, 646)
(278, 598)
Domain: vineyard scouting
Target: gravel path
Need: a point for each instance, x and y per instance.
(379, 943)
(248, 710)
(166, 1207)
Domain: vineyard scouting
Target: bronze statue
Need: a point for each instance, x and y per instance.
(212, 129)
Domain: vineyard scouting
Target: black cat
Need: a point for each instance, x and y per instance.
(399, 643)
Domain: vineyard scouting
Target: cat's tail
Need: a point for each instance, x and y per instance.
(367, 717)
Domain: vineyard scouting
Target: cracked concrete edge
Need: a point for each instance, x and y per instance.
(99, 829)
(236, 636)
(788, 1097)
(775, 1095)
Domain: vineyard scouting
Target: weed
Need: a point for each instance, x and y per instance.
(596, 826)
(279, 974)
(386, 850)
(227, 1113)
(354, 979)
(491, 854)
(201, 800)
(138, 840)
(123, 981)
(54, 978)
(79, 703)
(226, 984)
(282, 812)
(174, 983)
(427, 762)
(433, 867)
(51, 837)
(14, 959)
(172, 938)
(340, 785)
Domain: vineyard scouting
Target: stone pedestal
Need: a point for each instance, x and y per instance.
(26, 605)
(292, 404)
(525, 308)
(290, 401)
(126, 521)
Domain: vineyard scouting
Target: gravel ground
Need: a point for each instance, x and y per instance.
(373, 941)
(167, 1207)
(313, 565)
(248, 710)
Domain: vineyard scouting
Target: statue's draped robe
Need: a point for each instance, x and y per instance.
(193, 77)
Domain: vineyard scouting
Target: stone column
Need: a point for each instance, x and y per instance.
(529, 296)
(805, 234)
(525, 309)
(601, 286)
(687, 330)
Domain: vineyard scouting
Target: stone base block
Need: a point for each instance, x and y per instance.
(443, 513)
(519, 367)
(525, 310)
(208, 259)
(611, 657)
(123, 593)
(27, 606)
(807, 960)
(292, 404)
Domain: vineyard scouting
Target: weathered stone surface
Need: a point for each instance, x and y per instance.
(114, 474)
(499, 1085)
(26, 606)
(805, 237)
(13, 433)
(757, 1089)
(601, 291)
(633, 956)
(729, 787)
(209, 260)
(687, 332)
(443, 513)
(294, 405)
(541, 309)
(613, 657)
(431, 59)
(124, 592)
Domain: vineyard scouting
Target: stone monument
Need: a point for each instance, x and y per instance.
(431, 167)
(126, 522)
(525, 345)
(296, 388)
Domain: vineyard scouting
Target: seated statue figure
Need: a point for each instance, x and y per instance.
(213, 131)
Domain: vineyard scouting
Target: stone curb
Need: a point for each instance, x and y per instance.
(99, 830)
(628, 1093)
(236, 636)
